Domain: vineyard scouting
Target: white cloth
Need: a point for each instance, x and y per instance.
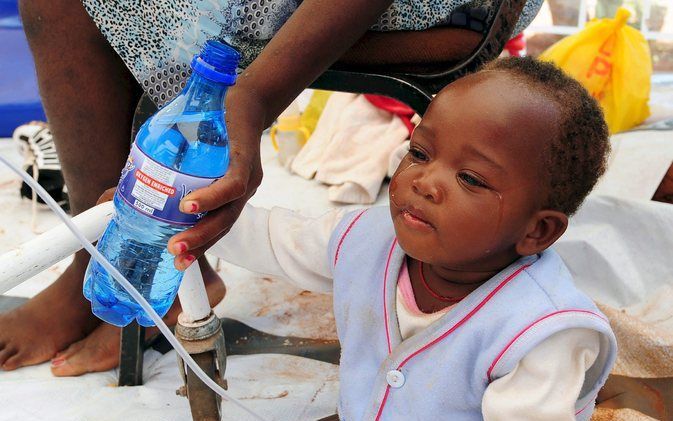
(350, 148)
(308, 161)
(286, 244)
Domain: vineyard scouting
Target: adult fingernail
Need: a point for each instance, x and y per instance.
(186, 262)
(190, 206)
(57, 362)
(181, 247)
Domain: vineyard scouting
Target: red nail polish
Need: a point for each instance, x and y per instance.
(182, 247)
(194, 207)
(57, 362)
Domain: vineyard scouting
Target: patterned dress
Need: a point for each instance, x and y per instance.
(158, 38)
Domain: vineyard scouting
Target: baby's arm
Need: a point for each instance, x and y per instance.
(546, 383)
(282, 243)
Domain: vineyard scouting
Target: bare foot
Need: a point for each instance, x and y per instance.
(100, 350)
(48, 322)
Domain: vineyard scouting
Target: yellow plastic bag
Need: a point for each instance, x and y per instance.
(612, 60)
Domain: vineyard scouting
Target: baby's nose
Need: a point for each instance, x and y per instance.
(427, 188)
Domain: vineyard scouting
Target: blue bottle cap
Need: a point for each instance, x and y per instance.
(217, 62)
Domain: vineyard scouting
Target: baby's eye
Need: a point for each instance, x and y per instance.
(417, 154)
(471, 180)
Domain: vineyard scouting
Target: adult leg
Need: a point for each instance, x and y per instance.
(100, 350)
(89, 98)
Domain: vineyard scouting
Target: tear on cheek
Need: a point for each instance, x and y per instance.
(404, 165)
(498, 217)
(393, 184)
(391, 192)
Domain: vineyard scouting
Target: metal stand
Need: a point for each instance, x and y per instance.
(131, 355)
(200, 332)
(204, 341)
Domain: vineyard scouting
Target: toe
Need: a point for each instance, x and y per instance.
(25, 356)
(75, 365)
(13, 361)
(82, 362)
(61, 359)
(60, 367)
(69, 362)
(5, 353)
(97, 352)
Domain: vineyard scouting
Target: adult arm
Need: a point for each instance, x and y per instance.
(313, 38)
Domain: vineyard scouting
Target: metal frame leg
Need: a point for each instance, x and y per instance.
(132, 345)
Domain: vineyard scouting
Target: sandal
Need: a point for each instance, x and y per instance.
(36, 143)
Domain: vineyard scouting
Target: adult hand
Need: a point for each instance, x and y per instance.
(224, 199)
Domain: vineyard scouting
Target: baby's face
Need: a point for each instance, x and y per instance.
(465, 193)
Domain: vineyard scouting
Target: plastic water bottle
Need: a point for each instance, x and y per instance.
(183, 147)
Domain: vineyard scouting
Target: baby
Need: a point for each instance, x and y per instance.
(450, 304)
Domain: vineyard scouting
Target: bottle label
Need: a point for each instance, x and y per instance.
(157, 190)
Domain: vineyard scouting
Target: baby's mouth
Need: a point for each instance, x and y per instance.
(416, 219)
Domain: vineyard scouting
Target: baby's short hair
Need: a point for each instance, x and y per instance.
(577, 155)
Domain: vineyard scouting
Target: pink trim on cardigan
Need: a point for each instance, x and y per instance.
(587, 405)
(504, 350)
(343, 237)
(385, 282)
(468, 316)
(445, 334)
(383, 403)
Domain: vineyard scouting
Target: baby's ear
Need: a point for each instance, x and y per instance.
(544, 229)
